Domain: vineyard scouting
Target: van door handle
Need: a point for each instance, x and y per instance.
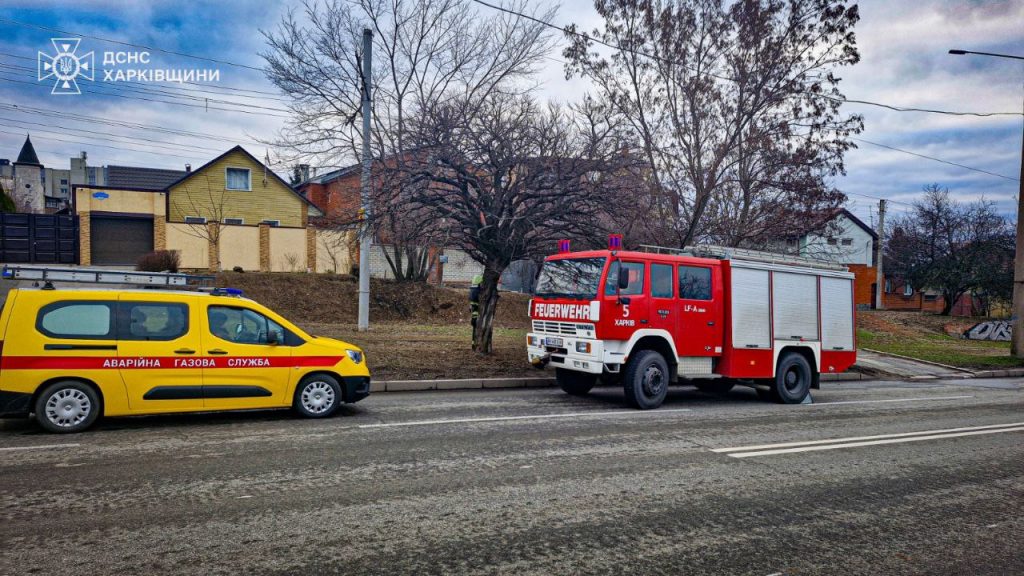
(184, 351)
(218, 351)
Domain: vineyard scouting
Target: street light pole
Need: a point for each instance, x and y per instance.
(1017, 334)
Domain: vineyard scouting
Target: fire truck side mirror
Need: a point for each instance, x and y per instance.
(623, 281)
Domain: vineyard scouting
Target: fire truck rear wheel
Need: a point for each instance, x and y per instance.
(646, 380)
(575, 383)
(792, 379)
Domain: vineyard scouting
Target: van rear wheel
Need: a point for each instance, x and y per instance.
(646, 380)
(575, 383)
(67, 407)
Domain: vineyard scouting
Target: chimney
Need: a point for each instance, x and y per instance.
(188, 168)
(304, 171)
(82, 155)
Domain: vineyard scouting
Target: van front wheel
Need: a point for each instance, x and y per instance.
(317, 396)
(67, 406)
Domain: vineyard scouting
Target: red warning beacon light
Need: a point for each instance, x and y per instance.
(615, 241)
(563, 247)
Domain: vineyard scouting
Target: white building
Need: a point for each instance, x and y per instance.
(845, 240)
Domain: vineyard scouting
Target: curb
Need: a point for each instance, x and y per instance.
(929, 362)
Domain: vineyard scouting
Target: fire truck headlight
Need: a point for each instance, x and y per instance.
(355, 356)
(533, 340)
(583, 347)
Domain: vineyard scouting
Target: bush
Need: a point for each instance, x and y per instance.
(159, 261)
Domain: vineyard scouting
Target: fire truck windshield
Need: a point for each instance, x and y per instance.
(570, 278)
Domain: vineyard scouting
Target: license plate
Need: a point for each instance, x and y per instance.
(556, 342)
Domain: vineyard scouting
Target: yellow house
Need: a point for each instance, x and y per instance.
(231, 212)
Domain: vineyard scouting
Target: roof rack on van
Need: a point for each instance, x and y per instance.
(729, 253)
(49, 274)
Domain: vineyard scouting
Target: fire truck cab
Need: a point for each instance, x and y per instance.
(708, 315)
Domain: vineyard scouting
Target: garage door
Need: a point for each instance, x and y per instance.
(120, 241)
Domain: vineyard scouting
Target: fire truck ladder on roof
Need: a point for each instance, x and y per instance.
(49, 274)
(727, 253)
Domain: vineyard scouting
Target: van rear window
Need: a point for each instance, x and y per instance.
(81, 319)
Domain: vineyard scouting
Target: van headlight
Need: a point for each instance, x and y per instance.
(355, 356)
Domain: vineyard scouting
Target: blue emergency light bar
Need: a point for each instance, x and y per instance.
(8, 273)
(563, 247)
(226, 292)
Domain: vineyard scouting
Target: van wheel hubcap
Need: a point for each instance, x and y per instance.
(68, 407)
(317, 397)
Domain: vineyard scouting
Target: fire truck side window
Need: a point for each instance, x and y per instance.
(635, 270)
(694, 283)
(661, 280)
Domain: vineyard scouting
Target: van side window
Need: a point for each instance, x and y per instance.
(243, 326)
(635, 270)
(661, 280)
(85, 320)
(153, 321)
(694, 283)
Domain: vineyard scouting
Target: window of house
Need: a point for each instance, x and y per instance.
(238, 179)
(195, 220)
(88, 320)
(888, 286)
(661, 280)
(833, 242)
(153, 321)
(694, 283)
(791, 242)
(931, 297)
(234, 221)
(272, 223)
(847, 241)
(64, 181)
(908, 290)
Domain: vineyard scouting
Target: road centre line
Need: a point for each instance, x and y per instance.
(40, 447)
(530, 417)
(861, 438)
(872, 443)
(925, 399)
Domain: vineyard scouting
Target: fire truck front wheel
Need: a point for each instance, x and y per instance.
(792, 379)
(575, 383)
(646, 380)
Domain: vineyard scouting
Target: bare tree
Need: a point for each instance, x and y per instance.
(952, 247)
(735, 107)
(426, 52)
(208, 203)
(511, 178)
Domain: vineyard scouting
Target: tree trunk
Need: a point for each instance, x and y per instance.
(482, 337)
(948, 300)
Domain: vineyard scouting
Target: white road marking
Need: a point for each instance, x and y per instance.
(40, 447)
(872, 443)
(531, 417)
(925, 399)
(860, 438)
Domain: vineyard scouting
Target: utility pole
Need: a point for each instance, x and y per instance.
(1017, 314)
(365, 240)
(879, 251)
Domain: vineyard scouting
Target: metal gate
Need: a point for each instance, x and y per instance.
(38, 238)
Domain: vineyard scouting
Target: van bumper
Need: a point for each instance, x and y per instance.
(15, 404)
(356, 388)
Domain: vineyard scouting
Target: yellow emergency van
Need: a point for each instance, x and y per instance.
(71, 355)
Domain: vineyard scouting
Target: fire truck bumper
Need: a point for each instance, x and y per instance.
(578, 354)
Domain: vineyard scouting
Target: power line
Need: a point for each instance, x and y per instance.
(119, 42)
(566, 30)
(116, 137)
(934, 159)
(105, 146)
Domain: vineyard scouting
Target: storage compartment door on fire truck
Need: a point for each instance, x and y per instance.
(629, 307)
(252, 363)
(158, 352)
(700, 311)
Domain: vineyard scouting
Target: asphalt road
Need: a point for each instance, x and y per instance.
(534, 482)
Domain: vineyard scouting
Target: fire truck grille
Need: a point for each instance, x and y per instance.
(547, 327)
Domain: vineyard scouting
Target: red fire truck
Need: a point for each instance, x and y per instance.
(708, 315)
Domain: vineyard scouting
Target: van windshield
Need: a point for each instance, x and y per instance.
(570, 278)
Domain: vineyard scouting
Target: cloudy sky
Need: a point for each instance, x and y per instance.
(903, 46)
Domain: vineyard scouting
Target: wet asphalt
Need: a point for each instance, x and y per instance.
(533, 482)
